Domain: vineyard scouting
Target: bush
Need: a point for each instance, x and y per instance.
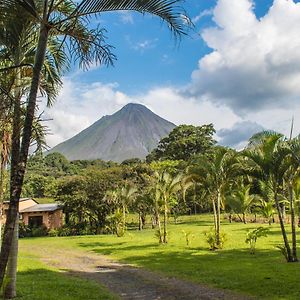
(24, 231)
(27, 231)
(211, 239)
(53, 232)
(39, 231)
(252, 236)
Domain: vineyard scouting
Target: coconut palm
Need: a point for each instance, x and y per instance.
(241, 201)
(166, 188)
(67, 21)
(125, 196)
(267, 153)
(217, 173)
(18, 43)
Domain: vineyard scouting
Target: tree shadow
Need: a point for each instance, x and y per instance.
(46, 284)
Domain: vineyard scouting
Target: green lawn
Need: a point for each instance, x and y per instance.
(265, 274)
(37, 281)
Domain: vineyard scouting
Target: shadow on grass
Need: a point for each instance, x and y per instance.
(107, 249)
(264, 274)
(45, 284)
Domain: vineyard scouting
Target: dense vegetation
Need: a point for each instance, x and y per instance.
(262, 180)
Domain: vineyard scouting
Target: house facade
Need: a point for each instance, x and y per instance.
(34, 214)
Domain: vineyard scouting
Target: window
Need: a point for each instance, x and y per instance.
(36, 221)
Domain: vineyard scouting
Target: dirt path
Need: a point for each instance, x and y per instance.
(128, 282)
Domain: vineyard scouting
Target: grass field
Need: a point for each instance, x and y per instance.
(38, 281)
(265, 274)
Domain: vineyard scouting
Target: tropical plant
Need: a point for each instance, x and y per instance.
(268, 153)
(252, 236)
(241, 201)
(166, 187)
(213, 242)
(67, 20)
(217, 173)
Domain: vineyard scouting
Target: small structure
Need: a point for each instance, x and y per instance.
(49, 215)
(34, 214)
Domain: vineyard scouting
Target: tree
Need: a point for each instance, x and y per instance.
(166, 187)
(268, 153)
(183, 142)
(66, 19)
(241, 201)
(217, 173)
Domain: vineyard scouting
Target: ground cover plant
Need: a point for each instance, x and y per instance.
(265, 274)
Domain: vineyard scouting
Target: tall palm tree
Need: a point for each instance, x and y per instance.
(18, 43)
(267, 153)
(217, 173)
(125, 197)
(166, 187)
(66, 19)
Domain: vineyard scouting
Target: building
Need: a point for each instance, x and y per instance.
(34, 214)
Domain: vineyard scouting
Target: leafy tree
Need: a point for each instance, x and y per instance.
(183, 142)
(67, 20)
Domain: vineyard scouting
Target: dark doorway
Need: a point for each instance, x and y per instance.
(36, 221)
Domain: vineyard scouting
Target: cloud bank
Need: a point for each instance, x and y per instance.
(249, 81)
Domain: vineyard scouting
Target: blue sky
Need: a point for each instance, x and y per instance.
(147, 54)
(239, 69)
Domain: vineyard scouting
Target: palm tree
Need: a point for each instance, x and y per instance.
(166, 187)
(267, 153)
(241, 201)
(216, 173)
(63, 18)
(16, 59)
(125, 197)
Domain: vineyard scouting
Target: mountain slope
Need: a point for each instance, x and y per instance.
(131, 132)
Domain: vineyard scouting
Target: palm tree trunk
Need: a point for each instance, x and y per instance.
(2, 165)
(283, 231)
(124, 217)
(19, 156)
(165, 240)
(140, 221)
(293, 222)
(159, 227)
(11, 274)
(244, 218)
(218, 219)
(215, 214)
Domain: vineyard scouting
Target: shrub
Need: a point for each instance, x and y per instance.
(211, 239)
(252, 236)
(53, 232)
(39, 231)
(188, 237)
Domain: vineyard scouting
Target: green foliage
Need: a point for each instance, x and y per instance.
(252, 236)
(183, 142)
(188, 236)
(212, 239)
(27, 231)
(283, 251)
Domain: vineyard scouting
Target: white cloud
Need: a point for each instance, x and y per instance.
(249, 81)
(80, 105)
(202, 14)
(254, 64)
(126, 17)
(145, 45)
